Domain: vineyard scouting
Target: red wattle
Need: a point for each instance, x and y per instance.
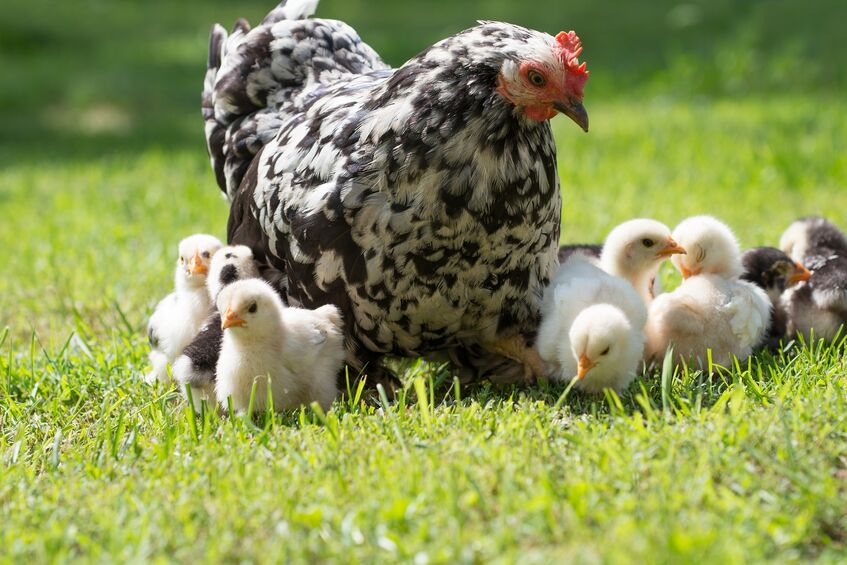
(539, 113)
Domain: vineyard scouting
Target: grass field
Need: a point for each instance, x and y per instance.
(102, 171)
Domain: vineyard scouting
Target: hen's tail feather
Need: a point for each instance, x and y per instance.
(215, 132)
(254, 73)
(291, 10)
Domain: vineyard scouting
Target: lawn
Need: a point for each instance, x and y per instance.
(103, 170)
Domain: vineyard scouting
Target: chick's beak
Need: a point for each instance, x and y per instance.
(196, 266)
(671, 248)
(573, 109)
(585, 365)
(231, 320)
(686, 272)
(800, 274)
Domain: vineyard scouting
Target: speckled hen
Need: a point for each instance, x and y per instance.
(422, 201)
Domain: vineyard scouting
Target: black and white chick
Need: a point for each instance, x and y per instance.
(812, 236)
(591, 251)
(301, 352)
(774, 272)
(196, 365)
(179, 316)
(592, 327)
(817, 307)
(713, 309)
(634, 250)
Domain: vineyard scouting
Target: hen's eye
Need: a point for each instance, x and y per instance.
(536, 78)
(647, 242)
(182, 259)
(252, 308)
(205, 255)
(605, 351)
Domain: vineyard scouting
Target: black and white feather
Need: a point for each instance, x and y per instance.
(418, 200)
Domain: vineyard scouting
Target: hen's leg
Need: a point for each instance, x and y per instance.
(516, 349)
(369, 367)
(479, 363)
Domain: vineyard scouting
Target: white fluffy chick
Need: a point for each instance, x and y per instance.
(712, 308)
(634, 250)
(195, 367)
(300, 351)
(178, 317)
(592, 327)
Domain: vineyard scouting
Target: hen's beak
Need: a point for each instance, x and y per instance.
(800, 274)
(585, 365)
(231, 320)
(671, 248)
(575, 111)
(196, 266)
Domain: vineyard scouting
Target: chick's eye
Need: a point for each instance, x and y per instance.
(647, 242)
(252, 308)
(536, 78)
(206, 255)
(605, 351)
(182, 259)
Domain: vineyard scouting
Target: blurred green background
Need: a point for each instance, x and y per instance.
(88, 77)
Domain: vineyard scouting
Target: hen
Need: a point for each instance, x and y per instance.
(422, 201)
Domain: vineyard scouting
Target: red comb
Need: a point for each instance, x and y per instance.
(571, 47)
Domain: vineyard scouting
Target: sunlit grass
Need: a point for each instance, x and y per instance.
(749, 465)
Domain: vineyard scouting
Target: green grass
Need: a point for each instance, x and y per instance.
(103, 171)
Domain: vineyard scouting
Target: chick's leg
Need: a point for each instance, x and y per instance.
(516, 349)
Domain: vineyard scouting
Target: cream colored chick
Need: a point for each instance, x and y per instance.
(592, 327)
(634, 250)
(195, 367)
(179, 315)
(712, 308)
(300, 351)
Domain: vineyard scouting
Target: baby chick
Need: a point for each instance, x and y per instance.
(635, 249)
(179, 315)
(812, 236)
(300, 351)
(591, 251)
(592, 327)
(773, 271)
(196, 365)
(231, 263)
(712, 308)
(819, 304)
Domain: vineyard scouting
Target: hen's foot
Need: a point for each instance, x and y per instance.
(516, 349)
